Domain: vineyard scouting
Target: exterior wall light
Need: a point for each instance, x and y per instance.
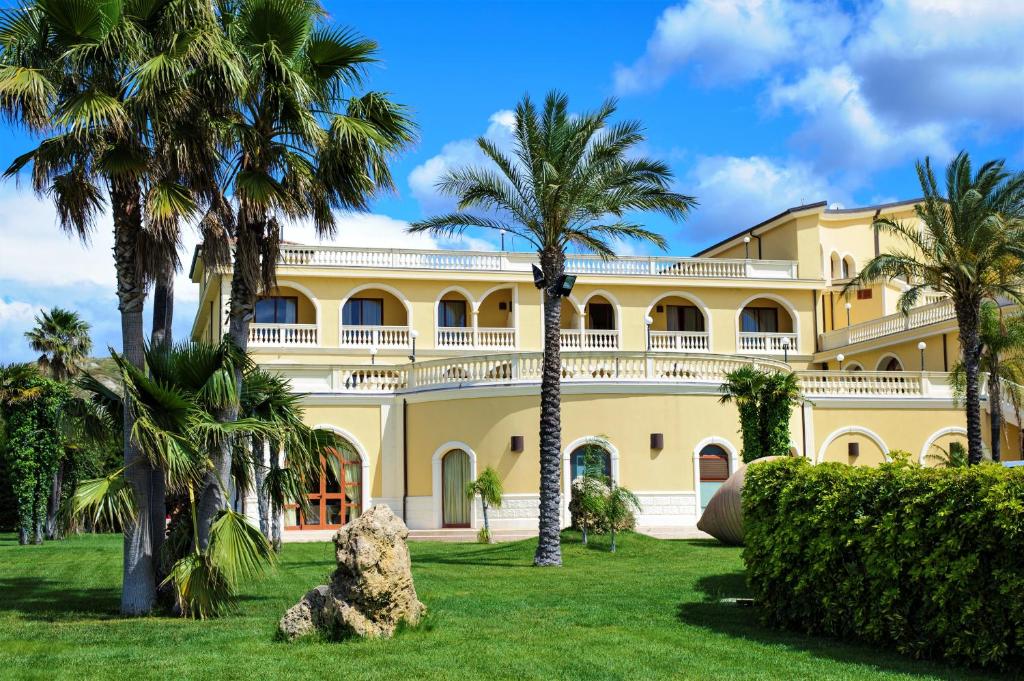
(413, 335)
(657, 441)
(785, 350)
(848, 306)
(840, 357)
(853, 449)
(648, 320)
(517, 443)
(921, 346)
(373, 355)
(746, 247)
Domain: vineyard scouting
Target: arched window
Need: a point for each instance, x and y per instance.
(849, 268)
(593, 454)
(455, 475)
(333, 497)
(890, 363)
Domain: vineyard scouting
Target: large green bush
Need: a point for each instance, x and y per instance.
(929, 561)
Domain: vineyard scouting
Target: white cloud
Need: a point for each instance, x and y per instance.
(460, 153)
(372, 230)
(726, 41)
(18, 314)
(738, 192)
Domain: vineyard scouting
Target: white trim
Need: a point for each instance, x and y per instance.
(693, 299)
(383, 287)
(605, 443)
(949, 430)
(734, 461)
(438, 482)
(850, 430)
(887, 355)
(785, 304)
(365, 483)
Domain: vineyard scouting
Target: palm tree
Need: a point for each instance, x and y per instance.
(744, 386)
(301, 148)
(488, 487)
(92, 75)
(570, 182)
(970, 245)
(620, 505)
(781, 394)
(1002, 363)
(62, 338)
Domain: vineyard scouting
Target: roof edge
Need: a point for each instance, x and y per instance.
(763, 223)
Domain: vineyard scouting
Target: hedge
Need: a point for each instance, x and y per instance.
(929, 561)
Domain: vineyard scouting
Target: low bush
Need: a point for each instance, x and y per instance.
(929, 561)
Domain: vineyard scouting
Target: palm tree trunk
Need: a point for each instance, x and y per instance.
(613, 538)
(161, 334)
(138, 592)
(259, 460)
(549, 549)
(487, 524)
(53, 504)
(995, 408)
(970, 344)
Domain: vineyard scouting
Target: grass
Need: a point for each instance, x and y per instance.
(649, 611)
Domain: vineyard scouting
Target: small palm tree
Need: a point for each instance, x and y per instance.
(488, 487)
(744, 387)
(781, 394)
(954, 457)
(970, 245)
(570, 182)
(620, 505)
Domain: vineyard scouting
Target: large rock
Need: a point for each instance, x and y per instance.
(723, 516)
(371, 592)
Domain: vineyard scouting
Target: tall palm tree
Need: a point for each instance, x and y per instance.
(570, 182)
(91, 75)
(970, 245)
(300, 146)
(62, 338)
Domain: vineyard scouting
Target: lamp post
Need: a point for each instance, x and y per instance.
(848, 306)
(921, 346)
(648, 320)
(746, 247)
(412, 335)
(373, 355)
(502, 232)
(785, 350)
(840, 357)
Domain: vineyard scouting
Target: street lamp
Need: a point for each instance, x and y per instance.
(840, 357)
(921, 346)
(373, 355)
(848, 306)
(648, 320)
(746, 247)
(785, 350)
(502, 232)
(413, 334)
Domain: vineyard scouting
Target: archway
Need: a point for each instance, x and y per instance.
(889, 362)
(375, 315)
(767, 324)
(336, 495)
(680, 322)
(714, 459)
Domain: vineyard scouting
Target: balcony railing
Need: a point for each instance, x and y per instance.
(375, 336)
(484, 338)
(589, 339)
(932, 313)
(766, 343)
(393, 258)
(283, 335)
(680, 341)
(873, 384)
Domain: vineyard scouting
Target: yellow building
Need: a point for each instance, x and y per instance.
(428, 363)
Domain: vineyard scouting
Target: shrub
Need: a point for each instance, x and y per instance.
(928, 561)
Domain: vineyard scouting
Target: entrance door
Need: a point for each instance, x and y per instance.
(714, 470)
(455, 475)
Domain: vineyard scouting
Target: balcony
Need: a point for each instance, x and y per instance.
(414, 259)
(283, 335)
(764, 343)
(932, 313)
(468, 338)
(680, 341)
(589, 339)
(355, 336)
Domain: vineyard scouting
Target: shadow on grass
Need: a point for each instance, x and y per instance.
(504, 554)
(744, 622)
(48, 600)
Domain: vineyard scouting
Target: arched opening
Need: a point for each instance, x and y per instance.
(600, 324)
(890, 363)
(590, 456)
(678, 325)
(333, 496)
(496, 320)
(454, 327)
(853, 367)
(835, 266)
(456, 473)
(713, 467)
(849, 267)
(766, 326)
(570, 336)
(374, 317)
(284, 315)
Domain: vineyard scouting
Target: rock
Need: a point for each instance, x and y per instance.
(371, 592)
(723, 516)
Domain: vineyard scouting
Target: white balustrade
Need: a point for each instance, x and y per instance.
(284, 335)
(372, 379)
(766, 343)
(353, 336)
(863, 384)
(932, 313)
(454, 337)
(680, 341)
(570, 339)
(496, 337)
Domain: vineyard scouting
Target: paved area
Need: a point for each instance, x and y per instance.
(465, 535)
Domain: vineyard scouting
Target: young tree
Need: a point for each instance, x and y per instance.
(571, 181)
(970, 246)
(488, 487)
(620, 505)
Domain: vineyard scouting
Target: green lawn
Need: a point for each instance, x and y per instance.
(650, 611)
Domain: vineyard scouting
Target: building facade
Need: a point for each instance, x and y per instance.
(428, 363)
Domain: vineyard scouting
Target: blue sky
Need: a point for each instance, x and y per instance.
(757, 105)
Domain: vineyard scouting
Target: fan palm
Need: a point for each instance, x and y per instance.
(744, 387)
(970, 245)
(569, 183)
(92, 76)
(488, 487)
(300, 148)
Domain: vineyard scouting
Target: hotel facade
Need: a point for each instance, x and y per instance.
(428, 363)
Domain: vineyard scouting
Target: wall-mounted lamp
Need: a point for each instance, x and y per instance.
(412, 336)
(921, 346)
(848, 306)
(517, 443)
(657, 440)
(648, 320)
(853, 449)
(840, 357)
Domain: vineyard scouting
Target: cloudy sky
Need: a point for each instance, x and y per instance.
(757, 105)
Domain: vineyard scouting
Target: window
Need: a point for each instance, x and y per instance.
(714, 464)
(599, 456)
(363, 312)
(277, 310)
(600, 316)
(332, 502)
(864, 294)
(455, 475)
(759, 320)
(891, 364)
(684, 318)
(451, 313)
